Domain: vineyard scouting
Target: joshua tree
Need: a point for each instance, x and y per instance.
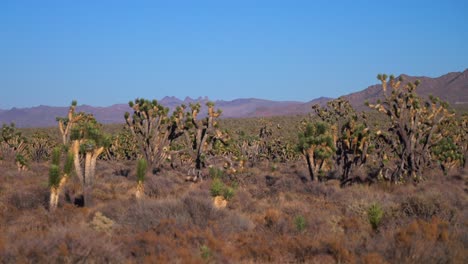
(316, 144)
(141, 173)
(452, 143)
(152, 129)
(88, 142)
(354, 145)
(13, 142)
(58, 177)
(66, 123)
(41, 146)
(350, 135)
(123, 147)
(413, 125)
(199, 134)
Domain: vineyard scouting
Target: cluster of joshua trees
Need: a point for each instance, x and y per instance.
(336, 142)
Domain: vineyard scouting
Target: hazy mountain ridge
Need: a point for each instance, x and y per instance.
(45, 116)
(451, 87)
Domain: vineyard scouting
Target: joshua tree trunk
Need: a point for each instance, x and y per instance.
(140, 192)
(87, 180)
(309, 166)
(55, 192)
(54, 196)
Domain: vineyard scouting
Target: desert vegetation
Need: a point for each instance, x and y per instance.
(388, 185)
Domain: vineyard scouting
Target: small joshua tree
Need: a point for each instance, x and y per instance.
(316, 144)
(40, 146)
(58, 177)
(123, 147)
(14, 143)
(354, 145)
(414, 124)
(452, 143)
(141, 173)
(88, 142)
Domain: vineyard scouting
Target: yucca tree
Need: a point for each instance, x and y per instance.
(152, 129)
(88, 142)
(14, 143)
(141, 174)
(58, 176)
(354, 145)
(316, 144)
(350, 135)
(199, 134)
(452, 143)
(413, 127)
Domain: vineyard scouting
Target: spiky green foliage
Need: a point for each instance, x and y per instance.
(56, 153)
(375, 215)
(68, 165)
(21, 160)
(300, 223)
(141, 170)
(217, 187)
(89, 132)
(54, 176)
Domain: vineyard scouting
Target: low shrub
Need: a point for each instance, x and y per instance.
(300, 223)
(374, 215)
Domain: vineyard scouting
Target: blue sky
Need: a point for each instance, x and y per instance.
(106, 52)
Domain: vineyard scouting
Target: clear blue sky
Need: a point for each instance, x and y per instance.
(105, 52)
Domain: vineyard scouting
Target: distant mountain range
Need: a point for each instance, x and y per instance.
(451, 87)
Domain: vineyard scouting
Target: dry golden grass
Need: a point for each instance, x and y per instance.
(177, 222)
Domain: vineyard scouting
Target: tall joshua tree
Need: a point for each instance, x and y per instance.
(200, 134)
(58, 176)
(152, 129)
(88, 142)
(413, 125)
(350, 135)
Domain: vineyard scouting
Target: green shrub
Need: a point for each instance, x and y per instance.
(217, 187)
(216, 173)
(205, 252)
(300, 223)
(141, 170)
(228, 193)
(375, 214)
